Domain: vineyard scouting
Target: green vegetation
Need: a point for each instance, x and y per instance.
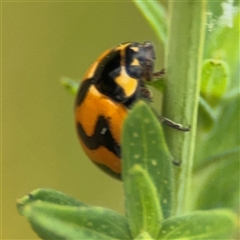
(199, 199)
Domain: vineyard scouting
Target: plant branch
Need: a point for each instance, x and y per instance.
(184, 62)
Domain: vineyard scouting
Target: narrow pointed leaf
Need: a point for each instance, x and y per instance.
(206, 115)
(143, 143)
(225, 134)
(70, 85)
(213, 224)
(226, 192)
(216, 169)
(154, 12)
(49, 196)
(142, 205)
(52, 221)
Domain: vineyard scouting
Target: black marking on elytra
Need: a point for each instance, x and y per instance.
(83, 90)
(102, 137)
(104, 78)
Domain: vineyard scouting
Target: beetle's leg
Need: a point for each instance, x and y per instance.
(174, 125)
(159, 74)
(176, 163)
(177, 126)
(146, 93)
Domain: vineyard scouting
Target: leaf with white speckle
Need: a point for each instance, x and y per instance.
(55, 221)
(50, 196)
(142, 204)
(143, 143)
(212, 224)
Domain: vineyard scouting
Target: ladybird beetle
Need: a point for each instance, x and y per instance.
(113, 83)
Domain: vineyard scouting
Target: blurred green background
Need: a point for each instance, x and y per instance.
(42, 41)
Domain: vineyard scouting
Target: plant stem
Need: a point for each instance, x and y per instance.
(183, 64)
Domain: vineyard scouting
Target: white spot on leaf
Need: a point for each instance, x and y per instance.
(151, 132)
(146, 120)
(135, 134)
(154, 162)
(165, 200)
(136, 156)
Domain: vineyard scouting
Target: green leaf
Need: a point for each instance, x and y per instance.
(232, 95)
(143, 143)
(217, 182)
(142, 205)
(215, 78)
(143, 236)
(222, 44)
(70, 85)
(52, 221)
(49, 196)
(214, 224)
(224, 135)
(154, 12)
(206, 115)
